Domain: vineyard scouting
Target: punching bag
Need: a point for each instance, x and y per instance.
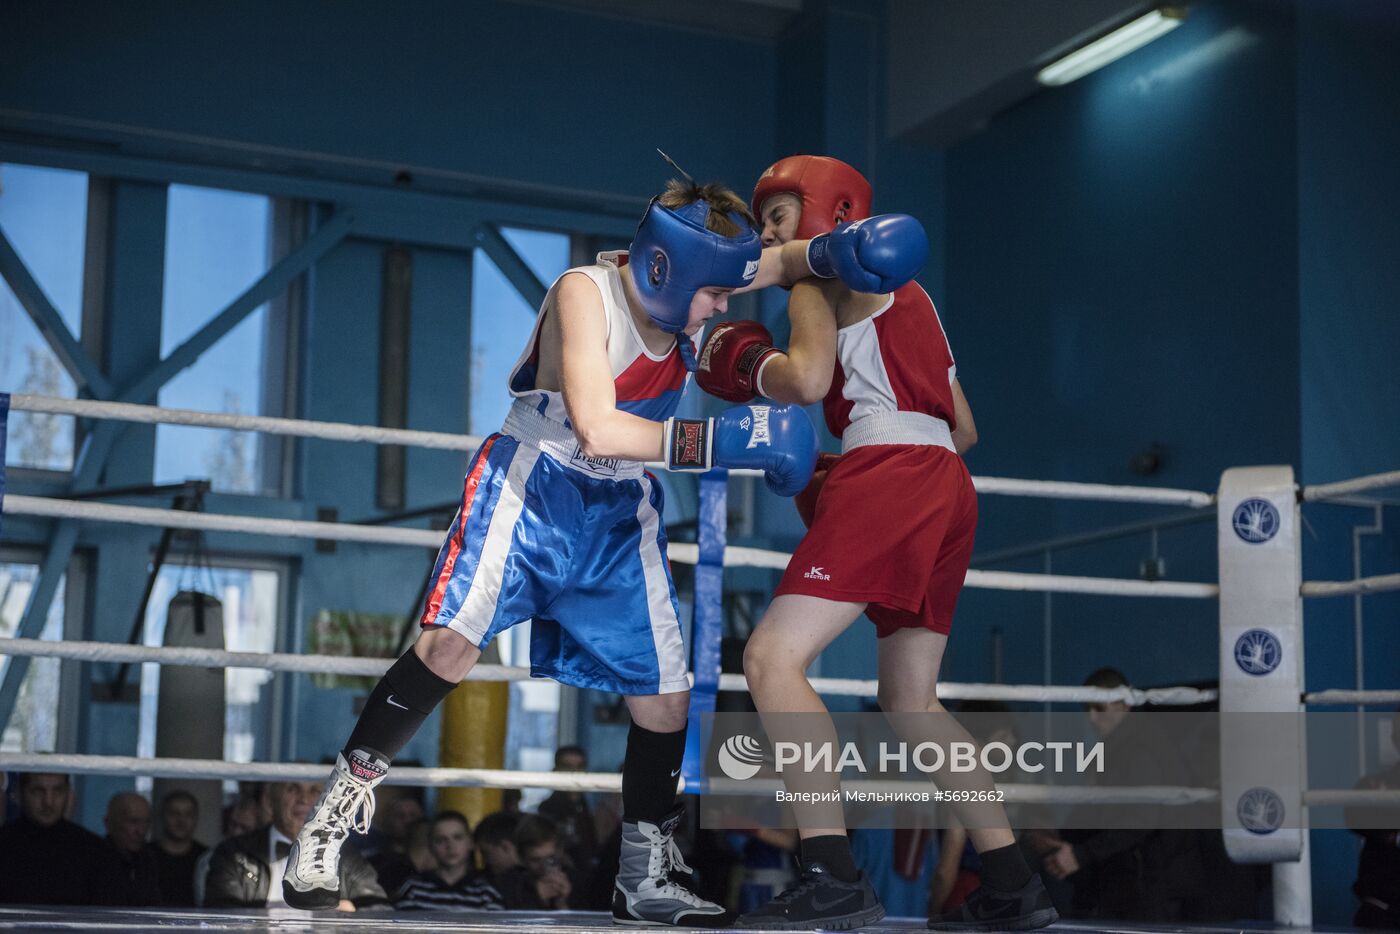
(190, 708)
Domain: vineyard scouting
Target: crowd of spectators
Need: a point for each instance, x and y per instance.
(565, 856)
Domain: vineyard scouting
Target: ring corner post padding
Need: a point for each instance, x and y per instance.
(1261, 666)
(708, 629)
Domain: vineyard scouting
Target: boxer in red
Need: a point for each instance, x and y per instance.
(891, 524)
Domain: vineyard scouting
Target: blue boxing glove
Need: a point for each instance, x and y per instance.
(876, 255)
(777, 439)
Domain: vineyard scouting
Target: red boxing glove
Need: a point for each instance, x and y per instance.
(733, 354)
(806, 501)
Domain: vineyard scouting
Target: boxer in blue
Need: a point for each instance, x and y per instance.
(559, 523)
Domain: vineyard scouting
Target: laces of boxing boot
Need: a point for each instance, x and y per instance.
(349, 806)
(356, 807)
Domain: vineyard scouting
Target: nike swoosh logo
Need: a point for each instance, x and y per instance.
(675, 773)
(819, 905)
(395, 703)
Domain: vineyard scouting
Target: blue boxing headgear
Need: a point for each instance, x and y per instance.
(673, 256)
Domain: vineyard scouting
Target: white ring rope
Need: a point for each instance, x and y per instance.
(336, 431)
(558, 781)
(1028, 693)
(217, 522)
(218, 658)
(295, 427)
(1362, 585)
(374, 667)
(1338, 696)
(681, 552)
(1325, 491)
(1103, 492)
(1016, 793)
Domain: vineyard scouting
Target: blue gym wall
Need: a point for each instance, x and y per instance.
(1193, 247)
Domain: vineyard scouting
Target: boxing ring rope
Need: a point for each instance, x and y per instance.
(680, 552)
(374, 667)
(115, 652)
(337, 431)
(609, 782)
(1321, 492)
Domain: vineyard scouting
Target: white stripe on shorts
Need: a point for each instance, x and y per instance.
(477, 611)
(665, 627)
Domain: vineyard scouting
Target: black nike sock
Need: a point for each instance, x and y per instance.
(834, 852)
(1004, 868)
(649, 773)
(397, 707)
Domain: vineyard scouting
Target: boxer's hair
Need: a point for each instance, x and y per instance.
(721, 200)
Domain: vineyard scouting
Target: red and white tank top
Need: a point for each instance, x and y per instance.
(647, 385)
(896, 360)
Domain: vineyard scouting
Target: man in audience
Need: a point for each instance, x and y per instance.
(246, 871)
(495, 840)
(176, 850)
(130, 876)
(1132, 875)
(46, 859)
(1378, 873)
(541, 882)
(242, 816)
(571, 815)
(390, 837)
(453, 885)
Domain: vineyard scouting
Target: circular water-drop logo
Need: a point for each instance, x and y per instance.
(1258, 652)
(740, 757)
(1260, 811)
(1255, 521)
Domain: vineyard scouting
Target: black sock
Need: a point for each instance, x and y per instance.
(397, 707)
(649, 773)
(834, 852)
(1004, 868)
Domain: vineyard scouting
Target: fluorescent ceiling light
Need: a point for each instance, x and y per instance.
(1110, 48)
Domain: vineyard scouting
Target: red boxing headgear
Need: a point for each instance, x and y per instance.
(831, 191)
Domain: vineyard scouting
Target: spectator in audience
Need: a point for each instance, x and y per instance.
(541, 882)
(46, 859)
(246, 871)
(240, 817)
(1378, 873)
(495, 841)
(420, 846)
(571, 814)
(453, 885)
(390, 857)
(176, 851)
(129, 876)
(1131, 875)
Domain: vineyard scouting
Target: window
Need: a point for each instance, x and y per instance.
(33, 726)
(44, 215)
(502, 321)
(250, 597)
(218, 243)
